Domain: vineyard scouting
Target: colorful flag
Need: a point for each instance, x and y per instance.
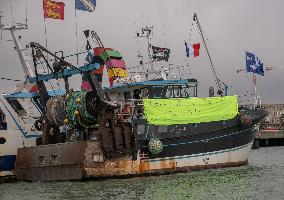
(161, 53)
(193, 49)
(85, 5)
(253, 64)
(54, 10)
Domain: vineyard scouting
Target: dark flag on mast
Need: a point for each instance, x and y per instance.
(161, 53)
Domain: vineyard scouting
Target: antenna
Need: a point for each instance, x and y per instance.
(1, 26)
(147, 32)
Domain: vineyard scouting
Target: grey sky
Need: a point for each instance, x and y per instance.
(231, 26)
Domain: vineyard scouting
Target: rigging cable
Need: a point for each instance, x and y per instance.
(76, 34)
(26, 12)
(217, 80)
(45, 34)
(12, 15)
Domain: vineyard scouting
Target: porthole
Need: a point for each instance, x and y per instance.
(2, 140)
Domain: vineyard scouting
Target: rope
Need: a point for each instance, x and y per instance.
(64, 57)
(46, 70)
(10, 79)
(217, 81)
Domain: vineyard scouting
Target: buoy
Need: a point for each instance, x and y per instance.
(76, 112)
(246, 120)
(66, 121)
(155, 145)
(78, 100)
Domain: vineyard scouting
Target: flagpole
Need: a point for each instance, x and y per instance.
(76, 33)
(254, 89)
(45, 33)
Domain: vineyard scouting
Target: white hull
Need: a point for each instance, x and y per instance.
(8, 150)
(226, 157)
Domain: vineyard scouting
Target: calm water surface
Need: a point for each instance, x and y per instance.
(263, 178)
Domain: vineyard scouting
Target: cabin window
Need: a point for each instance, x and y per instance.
(127, 95)
(2, 140)
(158, 91)
(187, 91)
(15, 104)
(169, 93)
(144, 93)
(176, 91)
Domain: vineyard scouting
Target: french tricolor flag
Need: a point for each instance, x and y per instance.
(192, 49)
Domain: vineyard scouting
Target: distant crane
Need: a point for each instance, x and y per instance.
(257, 100)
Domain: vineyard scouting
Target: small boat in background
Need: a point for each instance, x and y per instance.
(10, 140)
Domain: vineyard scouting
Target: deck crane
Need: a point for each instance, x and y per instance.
(217, 80)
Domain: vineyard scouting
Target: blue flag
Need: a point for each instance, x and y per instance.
(186, 49)
(85, 5)
(253, 64)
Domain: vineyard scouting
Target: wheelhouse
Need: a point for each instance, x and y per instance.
(184, 88)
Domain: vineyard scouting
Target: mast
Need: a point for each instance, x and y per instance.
(148, 30)
(254, 90)
(218, 82)
(23, 59)
(1, 26)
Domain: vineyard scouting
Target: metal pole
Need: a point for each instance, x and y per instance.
(26, 66)
(1, 26)
(254, 89)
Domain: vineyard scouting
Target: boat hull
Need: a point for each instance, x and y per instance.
(86, 159)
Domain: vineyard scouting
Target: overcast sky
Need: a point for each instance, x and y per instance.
(231, 27)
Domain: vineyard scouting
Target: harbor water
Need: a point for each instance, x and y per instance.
(262, 178)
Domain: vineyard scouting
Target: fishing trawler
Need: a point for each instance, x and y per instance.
(137, 126)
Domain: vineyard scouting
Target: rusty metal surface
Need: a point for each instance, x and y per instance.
(51, 162)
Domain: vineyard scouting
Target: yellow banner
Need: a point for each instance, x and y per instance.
(190, 110)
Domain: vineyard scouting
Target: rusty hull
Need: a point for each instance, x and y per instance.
(79, 160)
(51, 162)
